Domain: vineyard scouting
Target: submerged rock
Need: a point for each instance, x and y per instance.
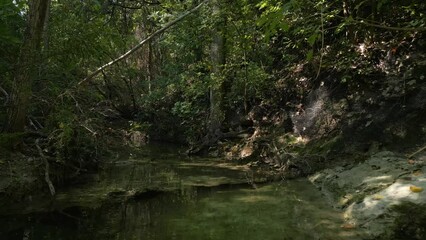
(368, 192)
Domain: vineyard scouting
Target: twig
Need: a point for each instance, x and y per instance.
(416, 152)
(378, 25)
(69, 215)
(94, 133)
(135, 48)
(46, 169)
(322, 43)
(370, 23)
(6, 95)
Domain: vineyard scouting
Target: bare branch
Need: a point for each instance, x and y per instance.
(418, 151)
(135, 48)
(127, 6)
(46, 168)
(376, 24)
(371, 24)
(6, 96)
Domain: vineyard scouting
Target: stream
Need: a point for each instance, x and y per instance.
(156, 193)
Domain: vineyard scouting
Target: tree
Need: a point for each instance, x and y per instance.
(217, 55)
(26, 70)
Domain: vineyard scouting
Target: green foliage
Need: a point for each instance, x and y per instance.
(10, 22)
(74, 141)
(8, 139)
(273, 18)
(276, 52)
(11, 29)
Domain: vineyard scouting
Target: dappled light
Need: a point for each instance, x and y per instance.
(201, 201)
(306, 119)
(377, 179)
(370, 191)
(212, 119)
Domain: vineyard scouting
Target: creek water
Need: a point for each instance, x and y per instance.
(156, 193)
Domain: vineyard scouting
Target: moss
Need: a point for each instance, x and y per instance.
(7, 140)
(326, 146)
(410, 223)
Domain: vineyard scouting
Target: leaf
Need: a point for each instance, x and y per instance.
(378, 197)
(412, 82)
(416, 189)
(310, 55)
(359, 5)
(263, 4)
(285, 26)
(348, 226)
(312, 39)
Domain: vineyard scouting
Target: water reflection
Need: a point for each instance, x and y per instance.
(278, 211)
(200, 199)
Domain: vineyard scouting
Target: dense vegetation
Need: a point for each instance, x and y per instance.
(265, 76)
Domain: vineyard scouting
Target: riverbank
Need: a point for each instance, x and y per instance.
(384, 195)
(374, 195)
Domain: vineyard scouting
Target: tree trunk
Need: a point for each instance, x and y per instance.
(217, 56)
(149, 69)
(27, 67)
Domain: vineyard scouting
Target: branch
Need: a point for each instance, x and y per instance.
(416, 152)
(127, 7)
(6, 96)
(378, 25)
(46, 169)
(419, 29)
(138, 5)
(322, 43)
(135, 48)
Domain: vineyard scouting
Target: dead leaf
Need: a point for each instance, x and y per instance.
(416, 189)
(348, 226)
(378, 197)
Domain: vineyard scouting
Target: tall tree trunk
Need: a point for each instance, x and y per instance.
(150, 68)
(217, 55)
(27, 65)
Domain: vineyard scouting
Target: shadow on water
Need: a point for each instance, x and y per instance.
(155, 196)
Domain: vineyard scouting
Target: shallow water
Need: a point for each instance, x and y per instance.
(187, 199)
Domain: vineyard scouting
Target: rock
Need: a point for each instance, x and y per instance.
(247, 151)
(138, 138)
(369, 191)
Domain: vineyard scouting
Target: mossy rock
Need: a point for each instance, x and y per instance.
(410, 222)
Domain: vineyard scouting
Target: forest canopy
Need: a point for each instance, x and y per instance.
(201, 71)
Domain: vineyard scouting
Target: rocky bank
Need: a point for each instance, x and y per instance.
(383, 196)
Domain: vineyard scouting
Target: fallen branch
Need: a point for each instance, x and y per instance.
(46, 169)
(416, 152)
(135, 48)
